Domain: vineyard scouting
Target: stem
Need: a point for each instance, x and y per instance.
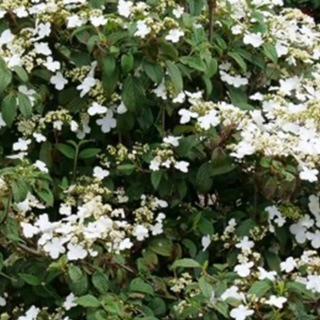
(29, 250)
(75, 163)
(212, 4)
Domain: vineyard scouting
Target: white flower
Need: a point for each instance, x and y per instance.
(288, 265)
(281, 49)
(21, 12)
(75, 21)
(174, 35)
(182, 166)
(41, 166)
(288, 85)
(178, 11)
(57, 125)
(244, 269)
(76, 252)
(264, 274)
(232, 293)
(54, 247)
(237, 29)
(313, 283)
(42, 48)
(243, 149)
(235, 81)
(309, 174)
(241, 312)
(3, 301)
(140, 232)
(52, 65)
(70, 301)
(6, 37)
(21, 145)
(107, 122)
(100, 173)
(174, 141)
(245, 244)
(154, 165)
(65, 209)
(43, 30)
(39, 137)
(88, 83)
(58, 81)
(124, 8)
(186, 115)
(98, 21)
(161, 91)
(142, 29)
(314, 238)
(97, 108)
(29, 230)
(314, 207)
(121, 109)
(180, 98)
(125, 244)
(31, 314)
(205, 241)
(209, 120)
(157, 228)
(276, 301)
(2, 122)
(255, 39)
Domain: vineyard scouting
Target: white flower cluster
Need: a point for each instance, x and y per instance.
(165, 156)
(286, 126)
(94, 222)
(250, 269)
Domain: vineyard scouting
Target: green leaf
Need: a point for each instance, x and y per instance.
(138, 285)
(194, 63)
(20, 190)
(100, 282)
(260, 288)
(205, 287)
(161, 246)
(9, 109)
(45, 195)
(21, 73)
(239, 98)
(132, 94)
(24, 105)
(153, 71)
(175, 76)
(110, 74)
(270, 51)
(300, 290)
(195, 6)
(127, 62)
(156, 178)
(30, 279)
(126, 168)
(238, 59)
(203, 177)
(211, 68)
(89, 153)
(186, 263)
(88, 301)
(222, 308)
(5, 75)
(66, 150)
(78, 281)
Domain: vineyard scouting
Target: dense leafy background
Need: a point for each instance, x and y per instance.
(159, 160)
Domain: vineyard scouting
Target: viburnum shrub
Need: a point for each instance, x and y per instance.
(159, 160)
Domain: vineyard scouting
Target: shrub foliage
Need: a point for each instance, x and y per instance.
(159, 160)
